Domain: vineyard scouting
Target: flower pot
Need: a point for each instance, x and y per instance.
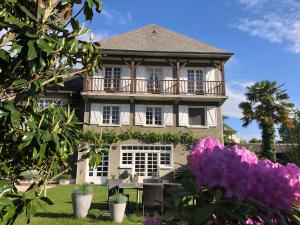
(117, 212)
(81, 205)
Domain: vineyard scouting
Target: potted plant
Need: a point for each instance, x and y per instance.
(64, 179)
(117, 206)
(81, 200)
(125, 176)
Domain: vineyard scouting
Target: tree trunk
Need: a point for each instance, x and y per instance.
(268, 142)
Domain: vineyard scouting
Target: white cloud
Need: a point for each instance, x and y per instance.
(277, 21)
(114, 16)
(97, 36)
(236, 94)
(252, 3)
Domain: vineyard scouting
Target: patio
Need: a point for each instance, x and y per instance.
(61, 212)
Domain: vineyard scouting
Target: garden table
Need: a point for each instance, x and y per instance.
(139, 186)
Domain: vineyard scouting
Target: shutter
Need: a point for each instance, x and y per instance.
(95, 113)
(125, 114)
(141, 85)
(210, 74)
(168, 84)
(139, 115)
(125, 78)
(211, 116)
(183, 115)
(168, 115)
(183, 80)
(97, 80)
(210, 87)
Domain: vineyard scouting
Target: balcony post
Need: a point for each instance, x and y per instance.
(223, 78)
(177, 77)
(133, 77)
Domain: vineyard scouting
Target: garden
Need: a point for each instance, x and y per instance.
(221, 184)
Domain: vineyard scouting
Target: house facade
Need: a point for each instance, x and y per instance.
(152, 80)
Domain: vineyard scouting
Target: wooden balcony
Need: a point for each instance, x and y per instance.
(153, 87)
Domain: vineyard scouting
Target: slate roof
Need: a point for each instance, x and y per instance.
(154, 38)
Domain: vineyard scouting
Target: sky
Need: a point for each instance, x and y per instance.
(264, 36)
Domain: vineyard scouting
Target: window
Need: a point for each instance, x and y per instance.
(112, 77)
(195, 80)
(154, 84)
(197, 116)
(45, 102)
(153, 115)
(111, 115)
(146, 160)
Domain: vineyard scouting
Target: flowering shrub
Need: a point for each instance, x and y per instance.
(242, 175)
(229, 185)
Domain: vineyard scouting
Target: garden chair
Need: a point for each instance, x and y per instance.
(152, 196)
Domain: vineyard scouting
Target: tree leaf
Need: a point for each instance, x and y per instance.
(4, 55)
(90, 3)
(42, 44)
(47, 200)
(16, 48)
(28, 137)
(19, 82)
(32, 53)
(23, 8)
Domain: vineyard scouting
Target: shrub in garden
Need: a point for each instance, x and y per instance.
(230, 185)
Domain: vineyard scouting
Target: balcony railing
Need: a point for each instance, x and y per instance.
(153, 86)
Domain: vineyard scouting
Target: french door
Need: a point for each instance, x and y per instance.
(195, 80)
(98, 174)
(146, 164)
(112, 78)
(154, 84)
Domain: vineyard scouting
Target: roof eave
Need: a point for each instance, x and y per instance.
(224, 55)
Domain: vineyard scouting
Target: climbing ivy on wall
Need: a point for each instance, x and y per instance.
(109, 137)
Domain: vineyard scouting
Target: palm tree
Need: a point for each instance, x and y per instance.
(267, 104)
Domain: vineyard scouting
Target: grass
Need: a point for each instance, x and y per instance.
(61, 212)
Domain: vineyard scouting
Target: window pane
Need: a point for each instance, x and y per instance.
(117, 76)
(126, 158)
(158, 116)
(115, 115)
(149, 115)
(108, 77)
(197, 116)
(165, 158)
(199, 80)
(191, 81)
(106, 114)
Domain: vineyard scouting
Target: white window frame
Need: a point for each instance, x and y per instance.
(110, 117)
(153, 122)
(203, 77)
(205, 114)
(160, 166)
(54, 101)
(113, 67)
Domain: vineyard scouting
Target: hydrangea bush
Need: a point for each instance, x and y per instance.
(230, 185)
(242, 174)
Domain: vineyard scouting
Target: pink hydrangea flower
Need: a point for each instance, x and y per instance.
(242, 174)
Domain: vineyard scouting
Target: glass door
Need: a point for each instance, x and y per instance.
(152, 165)
(112, 78)
(155, 76)
(195, 81)
(98, 174)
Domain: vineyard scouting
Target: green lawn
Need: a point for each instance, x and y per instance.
(61, 212)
